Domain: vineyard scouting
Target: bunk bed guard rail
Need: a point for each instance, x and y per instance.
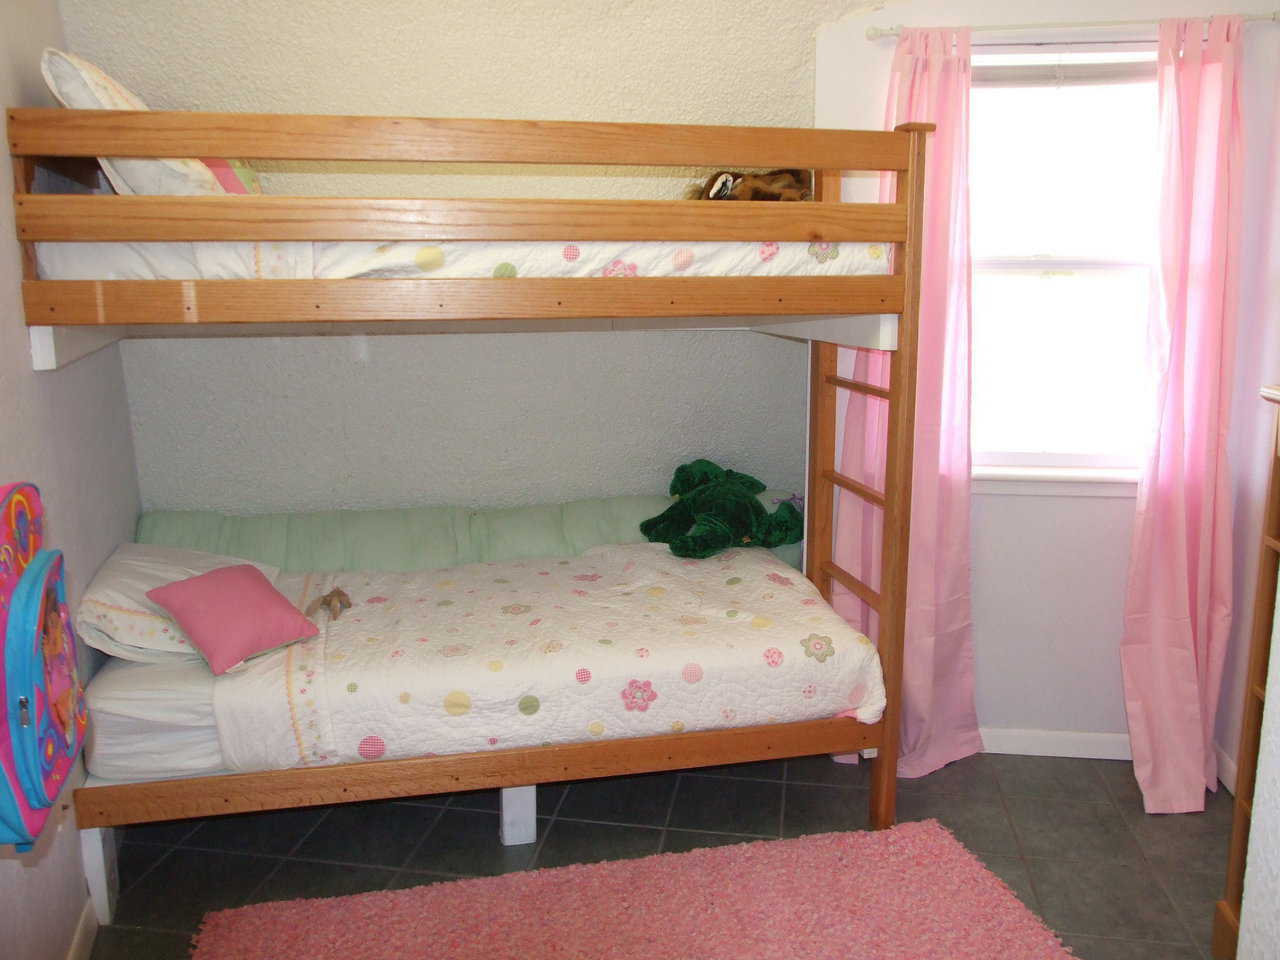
(46, 136)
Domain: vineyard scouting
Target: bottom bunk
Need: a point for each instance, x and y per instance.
(621, 641)
(546, 658)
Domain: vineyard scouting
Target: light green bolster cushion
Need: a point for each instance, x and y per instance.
(415, 538)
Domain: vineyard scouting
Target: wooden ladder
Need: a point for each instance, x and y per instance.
(890, 601)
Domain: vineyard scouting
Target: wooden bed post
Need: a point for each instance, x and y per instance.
(897, 479)
(890, 602)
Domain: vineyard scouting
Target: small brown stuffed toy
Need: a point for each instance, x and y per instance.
(735, 185)
(335, 601)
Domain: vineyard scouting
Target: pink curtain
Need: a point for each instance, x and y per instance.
(929, 83)
(1178, 604)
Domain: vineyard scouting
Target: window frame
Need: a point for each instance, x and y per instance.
(1114, 70)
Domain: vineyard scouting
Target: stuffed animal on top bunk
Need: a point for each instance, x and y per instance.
(716, 509)
(735, 185)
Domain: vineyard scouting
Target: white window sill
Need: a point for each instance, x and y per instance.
(1115, 483)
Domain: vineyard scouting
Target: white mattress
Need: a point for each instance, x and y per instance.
(151, 721)
(465, 259)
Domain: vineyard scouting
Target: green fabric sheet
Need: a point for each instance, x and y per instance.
(415, 538)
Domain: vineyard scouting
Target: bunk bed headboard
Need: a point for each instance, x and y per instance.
(446, 305)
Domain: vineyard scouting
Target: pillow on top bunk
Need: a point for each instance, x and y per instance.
(80, 85)
(116, 617)
(232, 614)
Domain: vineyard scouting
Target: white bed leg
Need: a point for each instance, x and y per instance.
(98, 851)
(519, 815)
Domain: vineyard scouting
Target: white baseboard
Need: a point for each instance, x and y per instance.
(1227, 770)
(1056, 743)
(86, 929)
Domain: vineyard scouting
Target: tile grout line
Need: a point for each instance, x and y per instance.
(671, 806)
(138, 879)
(435, 822)
(169, 849)
(1017, 840)
(1151, 868)
(782, 803)
(248, 899)
(551, 822)
(307, 836)
(257, 888)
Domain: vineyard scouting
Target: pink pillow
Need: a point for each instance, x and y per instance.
(232, 613)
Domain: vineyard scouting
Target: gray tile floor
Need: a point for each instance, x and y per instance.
(1068, 836)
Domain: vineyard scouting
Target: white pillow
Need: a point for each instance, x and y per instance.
(80, 85)
(115, 615)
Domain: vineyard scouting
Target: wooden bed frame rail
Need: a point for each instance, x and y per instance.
(42, 136)
(424, 776)
(37, 135)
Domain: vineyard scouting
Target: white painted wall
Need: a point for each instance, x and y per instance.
(258, 425)
(250, 424)
(1257, 358)
(273, 425)
(1251, 447)
(68, 432)
(1048, 592)
(1260, 912)
(1048, 570)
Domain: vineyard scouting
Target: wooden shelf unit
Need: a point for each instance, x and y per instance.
(1226, 919)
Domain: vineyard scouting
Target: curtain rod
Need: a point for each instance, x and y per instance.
(879, 33)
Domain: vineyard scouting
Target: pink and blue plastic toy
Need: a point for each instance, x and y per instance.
(44, 719)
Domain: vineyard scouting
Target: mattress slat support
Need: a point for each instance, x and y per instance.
(98, 852)
(519, 815)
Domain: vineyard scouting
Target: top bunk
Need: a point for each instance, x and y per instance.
(393, 289)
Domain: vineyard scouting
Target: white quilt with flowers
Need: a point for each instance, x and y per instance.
(461, 259)
(622, 641)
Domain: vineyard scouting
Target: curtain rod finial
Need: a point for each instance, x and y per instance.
(879, 33)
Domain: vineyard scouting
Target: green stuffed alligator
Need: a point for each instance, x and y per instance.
(716, 509)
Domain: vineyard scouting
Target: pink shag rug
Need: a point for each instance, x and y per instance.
(912, 892)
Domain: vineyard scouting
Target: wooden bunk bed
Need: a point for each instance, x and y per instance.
(868, 311)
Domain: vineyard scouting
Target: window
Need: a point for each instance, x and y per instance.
(1064, 186)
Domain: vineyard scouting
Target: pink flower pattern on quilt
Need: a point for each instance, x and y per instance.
(637, 695)
(619, 268)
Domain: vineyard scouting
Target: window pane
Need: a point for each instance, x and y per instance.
(1058, 363)
(1064, 171)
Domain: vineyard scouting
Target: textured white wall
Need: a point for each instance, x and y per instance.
(250, 425)
(68, 432)
(1252, 446)
(1260, 912)
(699, 61)
(1257, 357)
(263, 425)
